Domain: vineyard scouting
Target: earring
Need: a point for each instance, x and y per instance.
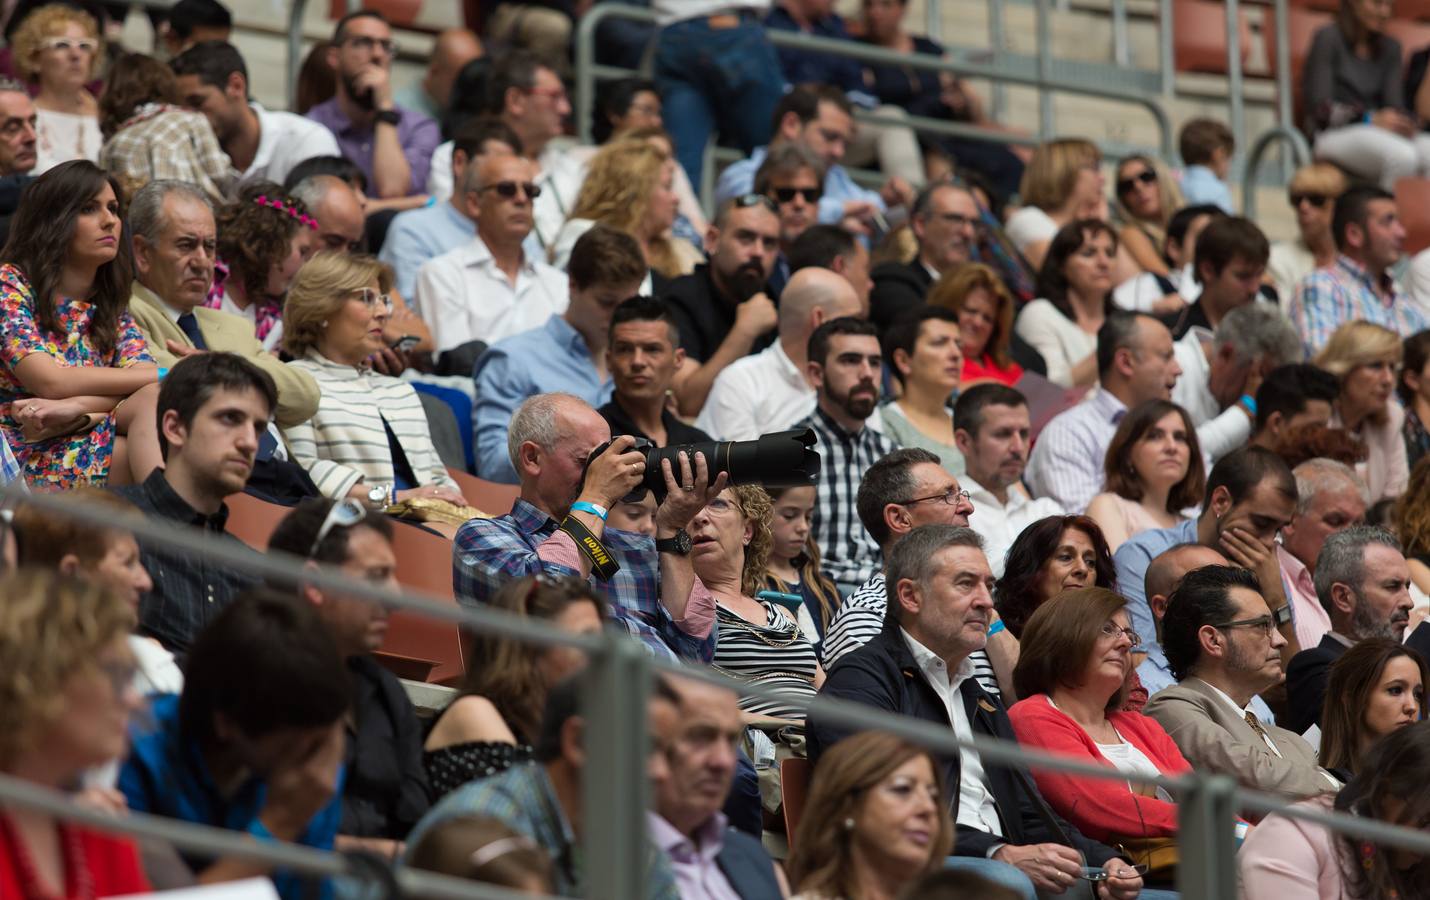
(325, 323)
(849, 824)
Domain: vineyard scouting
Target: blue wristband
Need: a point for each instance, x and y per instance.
(582, 506)
(996, 627)
(162, 372)
(1249, 402)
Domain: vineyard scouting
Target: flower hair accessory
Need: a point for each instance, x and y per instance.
(275, 203)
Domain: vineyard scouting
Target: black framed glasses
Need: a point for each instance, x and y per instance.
(787, 194)
(1266, 623)
(1146, 176)
(950, 497)
(1311, 197)
(745, 201)
(508, 189)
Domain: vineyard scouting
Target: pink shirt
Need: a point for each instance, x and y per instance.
(1291, 859)
(697, 874)
(1312, 620)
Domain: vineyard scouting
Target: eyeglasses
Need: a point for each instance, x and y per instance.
(745, 201)
(1316, 200)
(1275, 620)
(787, 195)
(368, 44)
(958, 220)
(374, 301)
(64, 44)
(344, 514)
(1146, 176)
(508, 189)
(1115, 631)
(950, 497)
(555, 93)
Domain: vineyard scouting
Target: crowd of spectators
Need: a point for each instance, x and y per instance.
(1103, 469)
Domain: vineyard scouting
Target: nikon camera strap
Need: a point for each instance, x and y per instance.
(602, 562)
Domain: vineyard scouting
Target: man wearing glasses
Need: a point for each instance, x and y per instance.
(393, 146)
(945, 220)
(1223, 644)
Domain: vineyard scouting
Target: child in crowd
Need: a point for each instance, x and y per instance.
(1206, 146)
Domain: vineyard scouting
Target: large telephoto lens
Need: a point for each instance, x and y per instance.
(784, 459)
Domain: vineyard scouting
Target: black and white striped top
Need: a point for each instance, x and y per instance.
(847, 553)
(776, 655)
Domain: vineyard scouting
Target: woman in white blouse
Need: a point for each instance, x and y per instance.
(369, 438)
(58, 48)
(1075, 296)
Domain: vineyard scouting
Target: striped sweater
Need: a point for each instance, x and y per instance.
(344, 442)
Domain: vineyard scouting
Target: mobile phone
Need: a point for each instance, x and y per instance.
(792, 602)
(405, 343)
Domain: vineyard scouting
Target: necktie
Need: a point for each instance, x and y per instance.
(190, 327)
(1255, 724)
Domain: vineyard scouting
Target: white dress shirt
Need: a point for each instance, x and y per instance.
(1067, 460)
(463, 296)
(756, 395)
(1001, 523)
(284, 140)
(976, 808)
(1219, 431)
(562, 174)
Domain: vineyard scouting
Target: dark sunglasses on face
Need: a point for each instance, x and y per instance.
(1146, 176)
(787, 195)
(1316, 200)
(508, 189)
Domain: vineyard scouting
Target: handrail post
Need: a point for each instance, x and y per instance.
(1233, 74)
(1298, 154)
(1121, 44)
(1045, 51)
(615, 787)
(1206, 816)
(1166, 48)
(1284, 88)
(933, 19)
(997, 37)
(295, 48)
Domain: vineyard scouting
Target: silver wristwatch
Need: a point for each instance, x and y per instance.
(381, 495)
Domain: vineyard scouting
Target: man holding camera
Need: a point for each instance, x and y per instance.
(571, 472)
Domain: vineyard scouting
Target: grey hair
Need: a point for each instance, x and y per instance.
(314, 188)
(1259, 330)
(536, 420)
(1342, 559)
(912, 556)
(9, 85)
(1315, 476)
(146, 210)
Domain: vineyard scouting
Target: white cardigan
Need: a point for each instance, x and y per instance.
(344, 443)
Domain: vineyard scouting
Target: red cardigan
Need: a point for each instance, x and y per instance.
(113, 864)
(1104, 807)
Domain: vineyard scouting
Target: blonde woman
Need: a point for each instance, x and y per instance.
(1365, 357)
(369, 438)
(57, 49)
(1312, 194)
(1146, 196)
(630, 186)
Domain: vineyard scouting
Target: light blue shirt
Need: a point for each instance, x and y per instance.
(418, 235)
(551, 358)
(1200, 185)
(739, 178)
(1155, 674)
(1132, 560)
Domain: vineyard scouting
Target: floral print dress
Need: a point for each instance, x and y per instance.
(61, 463)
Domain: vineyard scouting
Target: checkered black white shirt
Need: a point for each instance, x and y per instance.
(849, 554)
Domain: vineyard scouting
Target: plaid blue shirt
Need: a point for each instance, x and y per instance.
(490, 552)
(1344, 292)
(166, 775)
(9, 467)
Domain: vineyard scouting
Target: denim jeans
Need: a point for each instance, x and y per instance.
(725, 79)
(1010, 877)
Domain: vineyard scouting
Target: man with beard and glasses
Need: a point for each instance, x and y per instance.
(393, 146)
(723, 309)
(1363, 581)
(1223, 647)
(844, 366)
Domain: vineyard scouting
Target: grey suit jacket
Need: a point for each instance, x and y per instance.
(1214, 738)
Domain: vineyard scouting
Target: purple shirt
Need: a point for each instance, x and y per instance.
(697, 875)
(418, 135)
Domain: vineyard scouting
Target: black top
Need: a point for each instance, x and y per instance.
(917, 90)
(1195, 315)
(1306, 677)
(189, 591)
(450, 767)
(703, 314)
(676, 431)
(385, 790)
(883, 674)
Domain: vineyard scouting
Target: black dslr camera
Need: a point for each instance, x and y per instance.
(780, 460)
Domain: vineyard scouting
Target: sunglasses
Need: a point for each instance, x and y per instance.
(1146, 176)
(345, 514)
(86, 45)
(508, 189)
(745, 201)
(1316, 200)
(787, 195)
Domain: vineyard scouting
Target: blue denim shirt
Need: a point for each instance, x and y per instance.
(1200, 185)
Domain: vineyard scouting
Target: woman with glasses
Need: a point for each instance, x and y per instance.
(1050, 556)
(496, 716)
(264, 237)
(1375, 688)
(984, 307)
(1074, 674)
(1312, 194)
(1146, 198)
(66, 695)
(1154, 472)
(1366, 358)
(1074, 299)
(924, 353)
(369, 438)
(58, 49)
(1296, 859)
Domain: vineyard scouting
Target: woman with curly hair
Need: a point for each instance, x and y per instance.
(77, 382)
(492, 722)
(757, 641)
(876, 819)
(1154, 471)
(66, 695)
(1052, 555)
(147, 136)
(57, 49)
(264, 237)
(630, 186)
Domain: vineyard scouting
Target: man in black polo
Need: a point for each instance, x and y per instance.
(643, 356)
